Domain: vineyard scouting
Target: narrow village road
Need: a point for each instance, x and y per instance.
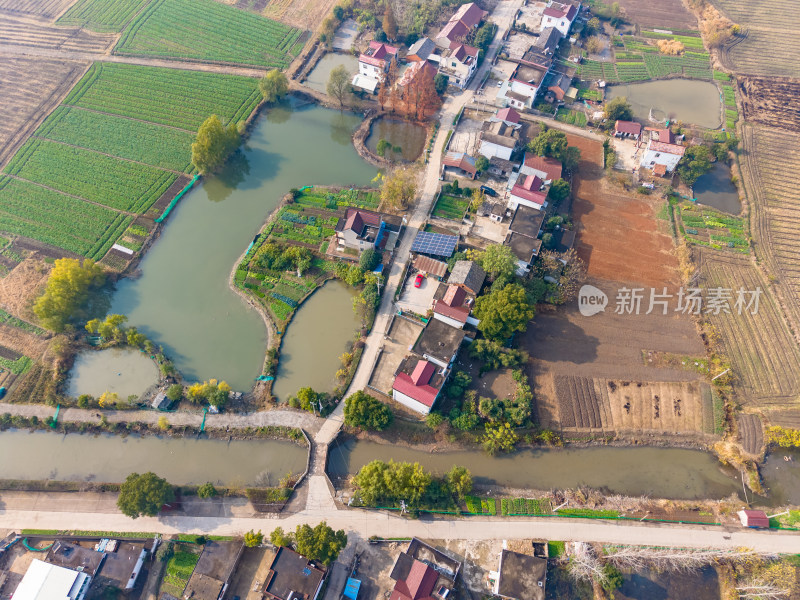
(187, 65)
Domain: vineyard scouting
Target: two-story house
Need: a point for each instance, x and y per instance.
(373, 65)
(528, 193)
(466, 18)
(459, 64)
(361, 229)
(559, 16)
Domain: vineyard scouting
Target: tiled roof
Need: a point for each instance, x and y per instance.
(629, 127)
(453, 31)
(469, 274)
(508, 115)
(430, 265)
(667, 148)
(550, 166)
(530, 190)
(469, 14)
(454, 296)
(460, 161)
(423, 393)
(419, 583)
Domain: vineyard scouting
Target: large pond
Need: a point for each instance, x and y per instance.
(407, 139)
(716, 189)
(658, 472)
(123, 371)
(181, 461)
(182, 299)
(317, 335)
(686, 100)
(318, 78)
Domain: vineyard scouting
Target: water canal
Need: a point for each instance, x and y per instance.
(673, 473)
(315, 339)
(687, 100)
(123, 371)
(408, 137)
(182, 299)
(181, 461)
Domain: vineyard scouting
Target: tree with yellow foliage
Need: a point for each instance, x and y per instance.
(108, 399)
(212, 391)
(67, 297)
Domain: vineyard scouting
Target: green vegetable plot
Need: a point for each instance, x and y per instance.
(105, 16)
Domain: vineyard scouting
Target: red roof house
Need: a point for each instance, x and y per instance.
(508, 115)
(418, 585)
(470, 14)
(414, 390)
(627, 128)
(548, 169)
(453, 308)
(528, 194)
(754, 518)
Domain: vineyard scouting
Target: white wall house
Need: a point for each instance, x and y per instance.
(559, 16)
(661, 157)
(459, 65)
(528, 193)
(414, 390)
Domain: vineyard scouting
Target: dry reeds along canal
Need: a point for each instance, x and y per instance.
(673, 473)
(181, 461)
(687, 100)
(182, 299)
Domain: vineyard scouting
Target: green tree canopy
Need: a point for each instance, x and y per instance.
(280, 538)
(207, 490)
(498, 261)
(175, 392)
(482, 163)
(440, 81)
(504, 312)
(252, 539)
(363, 411)
(320, 543)
(143, 495)
(460, 481)
(338, 83)
(398, 189)
(618, 109)
(213, 144)
(68, 295)
(273, 85)
(550, 142)
(369, 259)
(380, 481)
(696, 161)
(571, 158)
(558, 191)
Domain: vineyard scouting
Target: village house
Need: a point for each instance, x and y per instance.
(460, 164)
(559, 16)
(520, 576)
(498, 139)
(292, 576)
(452, 305)
(45, 580)
(548, 41)
(466, 18)
(523, 237)
(459, 65)
(560, 86)
(417, 384)
(214, 570)
(627, 129)
(661, 157)
(421, 50)
(469, 275)
(439, 343)
(360, 229)
(422, 572)
(546, 169)
(373, 65)
(522, 87)
(528, 193)
(509, 116)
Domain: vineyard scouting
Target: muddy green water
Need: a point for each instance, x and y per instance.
(686, 100)
(317, 335)
(702, 584)
(318, 78)
(123, 371)
(182, 299)
(716, 189)
(409, 137)
(658, 472)
(181, 461)
(782, 478)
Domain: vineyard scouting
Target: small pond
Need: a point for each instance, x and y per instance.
(686, 100)
(781, 478)
(318, 78)
(674, 473)
(315, 338)
(702, 584)
(407, 138)
(181, 461)
(716, 190)
(123, 371)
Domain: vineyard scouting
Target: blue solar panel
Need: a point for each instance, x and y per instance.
(437, 244)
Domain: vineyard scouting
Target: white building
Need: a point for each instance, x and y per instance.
(414, 390)
(373, 65)
(43, 581)
(459, 65)
(559, 16)
(521, 88)
(498, 140)
(662, 157)
(529, 193)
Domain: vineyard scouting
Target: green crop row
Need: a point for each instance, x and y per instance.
(33, 211)
(13, 321)
(450, 207)
(152, 144)
(18, 367)
(174, 97)
(201, 29)
(104, 16)
(113, 182)
(729, 95)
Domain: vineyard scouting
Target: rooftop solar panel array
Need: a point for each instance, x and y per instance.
(436, 244)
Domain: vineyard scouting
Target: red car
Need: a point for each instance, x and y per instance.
(418, 280)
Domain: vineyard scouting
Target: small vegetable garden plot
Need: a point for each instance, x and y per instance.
(104, 16)
(451, 207)
(572, 117)
(179, 570)
(707, 227)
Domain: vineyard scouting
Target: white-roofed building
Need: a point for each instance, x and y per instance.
(43, 581)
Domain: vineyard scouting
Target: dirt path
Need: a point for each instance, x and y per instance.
(10, 50)
(285, 418)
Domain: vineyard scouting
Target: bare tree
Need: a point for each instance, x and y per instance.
(584, 564)
(676, 559)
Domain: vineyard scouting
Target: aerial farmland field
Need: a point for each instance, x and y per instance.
(201, 29)
(102, 15)
(666, 14)
(41, 8)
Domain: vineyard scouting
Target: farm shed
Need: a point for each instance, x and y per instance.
(754, 518)
(430, 266)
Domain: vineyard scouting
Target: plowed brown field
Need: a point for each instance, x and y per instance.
(42, 8)
(664, 14)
